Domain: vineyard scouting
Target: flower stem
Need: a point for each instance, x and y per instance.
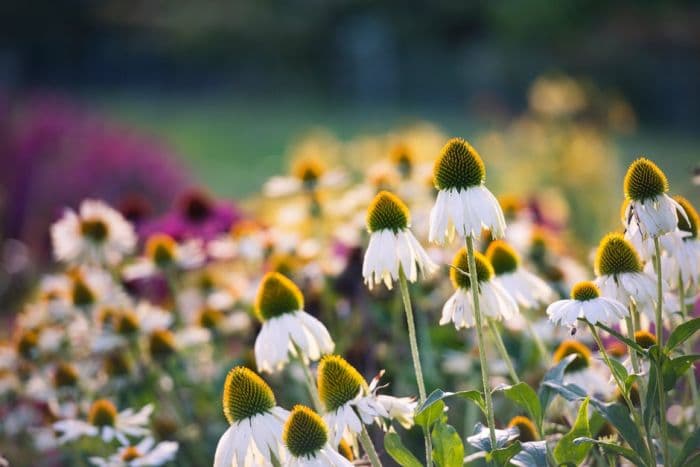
(660, 341)
(692, 384)
(544, 355)
(480, 341)
(368, 446)
(310, 383)
(413, 341)
(502, 350)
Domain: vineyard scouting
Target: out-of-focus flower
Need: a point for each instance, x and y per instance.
(163, 253)
(97, 234)
(584, 371)
(392, 247)
(144, 454)
(586, 303)
(105, 422)
(286, 328)
(255, 434)
(528, 290)
(307, 441)
(308, 173)
(464, 205)
(494, 301)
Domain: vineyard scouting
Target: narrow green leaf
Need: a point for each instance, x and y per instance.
(615, 449)
(394, 446)
(554, 374)
(526, 397)
(430, 414)
(691, 448)
(568, 452)
(502, 456)
(619, 369)
(675, 368)
(622, 338)
(448, 449)
(682, 333)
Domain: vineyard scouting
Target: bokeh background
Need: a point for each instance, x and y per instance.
(139, 101)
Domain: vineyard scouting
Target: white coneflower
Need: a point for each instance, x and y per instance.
(308, 174)
(105, 422)
(97, 234)
(350, 402)
(255, 434)
(164, 253)
(145, 453)
(584, 371)
(527, 289)
(286, 327)
(650, 209)
(682, 265)
(494, 301)
(307, 441)
(464, 205)
(620, 275)
(392, 246)
(587, 303)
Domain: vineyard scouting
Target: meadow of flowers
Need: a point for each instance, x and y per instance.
(377, 305)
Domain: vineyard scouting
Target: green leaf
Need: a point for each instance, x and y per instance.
(501, 456)
(526, 397)
(619, 370)
(429, 412)
(620, 337)
(651, 402)
(448, 450)
(615, 449)
(556, 375)
(673, 369)
(568, 452)
(682, 333)
(533, 454)
(691, 448)
(481, 438)
(394, 446)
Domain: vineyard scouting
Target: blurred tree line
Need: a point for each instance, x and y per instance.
(444, 52)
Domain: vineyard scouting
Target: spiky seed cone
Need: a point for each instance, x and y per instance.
(95, 230)
(570, 347)
(644, 338)
(161, 343)
(277, 295)
(65, 375)
(644, 180)
(484, 270)
(127, 323)
(527, 429)
(245, 395)
(691, 224)
(116, 365)
(161, 249)
(387, 212)
(502, 257)
(210, 318)
(345, 450)
(130, 453)
(584, 291)
(458, 166)
(616, 256)
(305, 432)
(338, 382)
(102, 413)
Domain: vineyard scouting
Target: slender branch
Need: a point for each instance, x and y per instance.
(502, 350)
(660, 341)
(310, 383)
(368, 446)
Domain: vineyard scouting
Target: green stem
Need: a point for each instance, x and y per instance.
(413, 341)
(544, 355)
(368, 446)
(660, 341)
(480, 341)
(310, 383)
(692, 384)
(502, 350)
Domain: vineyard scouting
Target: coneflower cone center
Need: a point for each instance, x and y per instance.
(82, 294)
(502, 257)
(644, 338)
(130, 453)
(527, 429)
(95, 229)
(616, 256)
(691, 224)
(102, 413)
(460, 265)
(584, 291)
(277, 295)
(458, 166)
(572, 347)
(161, 343)
(387, 212)
(65, 375)
(305, 432)
(644, 180)
(127, 323)
(338, 382)
(161, 249)
(245, 395)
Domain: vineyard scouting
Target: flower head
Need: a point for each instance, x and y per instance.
(338, 382)
(276, 296)
(387, 212)
(527, 430)
(688, 223)
(644, 180)
(307, 440)
(573, 347)
(460, 275)
(586, 303)
(245, 395)
(458, 166)
(616, 255)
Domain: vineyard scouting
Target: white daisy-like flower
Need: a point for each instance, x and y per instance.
(105, 422)
(308, 173)
(586, 303)
(494, 300)
(308, 443)
(144, 454)
(97, 234)
(650, 209)
(620, 275)
(585, 371)
(464, 205)
(392, 247)
(350, 402)
(681, 265)
(254, 436)
(286, 328)
(164, 253)
(528, 290)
